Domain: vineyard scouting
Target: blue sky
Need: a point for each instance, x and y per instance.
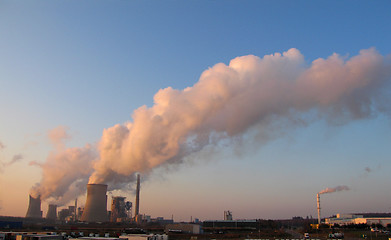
(87, 65)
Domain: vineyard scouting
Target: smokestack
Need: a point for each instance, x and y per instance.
(96, 204)
(52, 212)
(76, 210)
(136, 213)
(318, 203)
(34, 209)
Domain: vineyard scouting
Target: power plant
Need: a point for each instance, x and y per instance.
(34, 209)
(52, 212)
(95, 209)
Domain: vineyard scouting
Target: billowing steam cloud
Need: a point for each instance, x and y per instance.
(250, 94)
(336, 189)
(66, 170)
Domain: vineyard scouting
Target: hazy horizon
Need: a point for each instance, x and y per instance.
(247, 106)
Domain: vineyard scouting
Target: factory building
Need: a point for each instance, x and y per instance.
(227, 216)
(183, 228)
(118, 209)
(144, 237)
(66, 214)
(236, 224)
(360, 218)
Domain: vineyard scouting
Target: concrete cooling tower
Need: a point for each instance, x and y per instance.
(96, 204)
(34, 209)
(52, 212)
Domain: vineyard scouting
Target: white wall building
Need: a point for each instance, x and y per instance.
(363, 218)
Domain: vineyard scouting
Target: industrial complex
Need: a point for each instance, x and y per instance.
(95, 222)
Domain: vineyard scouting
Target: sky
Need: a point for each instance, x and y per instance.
(152, 87)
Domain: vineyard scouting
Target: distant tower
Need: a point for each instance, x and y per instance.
(76, 218)
(52, 212)
(96, 204)
(118, 209)
(34, 209)
(227, 216)
(137, 209)
(318, 205)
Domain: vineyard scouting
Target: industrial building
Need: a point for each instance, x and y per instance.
(236, 224)
(118, 209)
(183, 228)
(360, 218)
(144, 237)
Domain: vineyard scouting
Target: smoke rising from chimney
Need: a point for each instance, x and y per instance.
(66, 170)
(336, 189)
(250, 93)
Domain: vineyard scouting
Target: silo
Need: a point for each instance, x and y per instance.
(52, 212)
(34, 209)
(95, 209)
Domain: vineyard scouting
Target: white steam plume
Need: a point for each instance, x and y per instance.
(66, 170)
(229, 100)
(250, 94)
(336, 189)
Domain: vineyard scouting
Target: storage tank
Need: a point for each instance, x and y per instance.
(95, 209)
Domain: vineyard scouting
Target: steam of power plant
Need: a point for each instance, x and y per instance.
(251, 94)
(66, 170)
(336, 189)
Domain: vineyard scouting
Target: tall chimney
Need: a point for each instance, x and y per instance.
(75, 210)
(137, 209)
(96, 204)
(34, 209)
(52, 212)
(318, 203)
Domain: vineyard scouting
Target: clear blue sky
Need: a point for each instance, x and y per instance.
(88, 65)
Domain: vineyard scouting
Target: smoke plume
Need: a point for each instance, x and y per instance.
(66, 170)
(229, 100)
(2, 146)
(368, 169)
(336, 189)
(16, 158)
(251, 94)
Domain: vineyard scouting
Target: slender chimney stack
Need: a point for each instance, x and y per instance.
(76, 210)
(137, 209)
(34, 209)
(96, 204)
(52, 212)
(318, 204)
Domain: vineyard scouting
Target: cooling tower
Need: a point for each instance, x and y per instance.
(96, 204)
(52, 212)
(34, 209)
